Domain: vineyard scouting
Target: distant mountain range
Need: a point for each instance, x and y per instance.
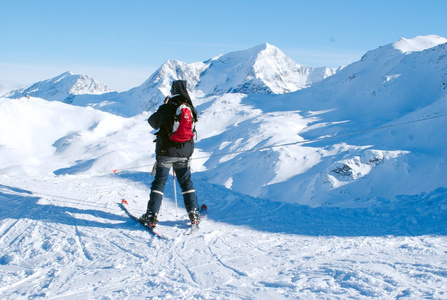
(263, 69)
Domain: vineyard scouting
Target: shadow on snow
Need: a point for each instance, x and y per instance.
(423, 214)
(402, 216)
(18, 203)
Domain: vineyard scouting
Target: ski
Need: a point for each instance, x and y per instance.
(202, 214)
(125, 206)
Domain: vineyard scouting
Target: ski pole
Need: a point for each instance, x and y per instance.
(175, 192)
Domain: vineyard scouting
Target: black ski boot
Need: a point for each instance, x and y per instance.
(149, 218)
(194, 216)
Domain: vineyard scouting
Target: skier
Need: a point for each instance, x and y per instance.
(170, 153)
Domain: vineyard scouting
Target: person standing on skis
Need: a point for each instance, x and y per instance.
(172, 153)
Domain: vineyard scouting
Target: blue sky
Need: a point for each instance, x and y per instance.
(121, 43)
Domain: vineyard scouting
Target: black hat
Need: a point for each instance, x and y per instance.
(179, 87)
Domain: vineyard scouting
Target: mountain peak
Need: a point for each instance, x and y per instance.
(64, 75)
(267, 49)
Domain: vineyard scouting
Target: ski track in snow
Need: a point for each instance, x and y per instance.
(67, 238)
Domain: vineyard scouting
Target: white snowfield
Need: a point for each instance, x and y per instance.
(335, 191)
(66, 238)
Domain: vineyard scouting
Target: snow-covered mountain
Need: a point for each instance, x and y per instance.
(388, 86)
(64, 87)
(262, 69)
(385, 84)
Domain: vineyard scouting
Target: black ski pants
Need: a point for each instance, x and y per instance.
(183, 173)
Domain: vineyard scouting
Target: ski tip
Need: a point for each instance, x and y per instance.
(204, 207)
(124, 201)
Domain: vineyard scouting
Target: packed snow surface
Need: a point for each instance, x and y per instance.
(66, 238)
(335, 191)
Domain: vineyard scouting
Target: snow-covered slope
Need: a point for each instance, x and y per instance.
(66, 238)
(41, 138)
(64, 87)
